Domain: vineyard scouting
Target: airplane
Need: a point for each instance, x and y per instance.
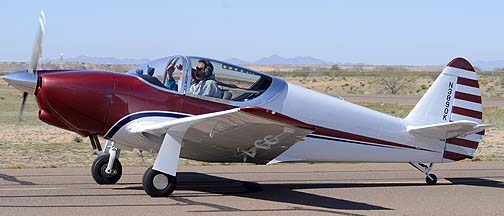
(208, 110)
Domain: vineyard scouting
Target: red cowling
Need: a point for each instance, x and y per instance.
(76, 101)
(91, 102)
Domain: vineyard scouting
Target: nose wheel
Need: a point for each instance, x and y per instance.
(106, 168)
(158, 184)
(100, 172)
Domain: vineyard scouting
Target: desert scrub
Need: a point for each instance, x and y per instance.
(77, 139)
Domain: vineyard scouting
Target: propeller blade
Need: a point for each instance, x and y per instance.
(37, 46)
(21, 107)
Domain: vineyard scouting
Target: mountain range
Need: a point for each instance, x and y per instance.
(279, 60)
(271, 60)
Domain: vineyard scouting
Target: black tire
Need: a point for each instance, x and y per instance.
(98, 170)
(158, 190)
(430, 181)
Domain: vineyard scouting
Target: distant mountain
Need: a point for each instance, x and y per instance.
(489, 65)
(271, 60)
(279, 60)
(102, 60)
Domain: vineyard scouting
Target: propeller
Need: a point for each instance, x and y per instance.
(35, 58)
(37, 46)
(21, 107)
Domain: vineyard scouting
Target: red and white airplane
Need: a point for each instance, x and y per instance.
(207, 110)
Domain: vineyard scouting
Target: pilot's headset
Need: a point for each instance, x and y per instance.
(208, 69)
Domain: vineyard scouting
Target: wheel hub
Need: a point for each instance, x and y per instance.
(105, 174)
(160, 181)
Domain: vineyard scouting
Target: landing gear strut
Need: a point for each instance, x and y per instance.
(430, 179)
(160, 179)
(158, 184)
(107, 168)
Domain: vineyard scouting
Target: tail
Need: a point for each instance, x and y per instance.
(453, 100)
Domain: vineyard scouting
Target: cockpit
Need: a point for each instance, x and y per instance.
(203, 77)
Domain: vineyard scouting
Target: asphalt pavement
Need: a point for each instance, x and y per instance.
(464, 188)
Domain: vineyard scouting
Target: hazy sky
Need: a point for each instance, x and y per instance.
(373, 32)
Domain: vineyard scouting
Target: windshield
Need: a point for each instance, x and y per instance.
(164, 73)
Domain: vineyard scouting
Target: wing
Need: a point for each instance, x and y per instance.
(247, 134)
(448, 130)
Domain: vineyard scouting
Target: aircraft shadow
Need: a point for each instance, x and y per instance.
(289, 192)
(14, 179)
(481, 182)
(284, 193)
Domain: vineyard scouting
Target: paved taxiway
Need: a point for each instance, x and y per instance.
(464, 188)
(408, 100)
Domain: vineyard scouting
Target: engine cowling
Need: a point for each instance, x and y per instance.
(76, 100)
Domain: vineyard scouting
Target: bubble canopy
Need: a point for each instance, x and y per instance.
(203, 77)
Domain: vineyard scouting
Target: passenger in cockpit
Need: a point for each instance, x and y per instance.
(171, 84)
(149, 77)
(139, 72)
(203, 80)
(150, 70)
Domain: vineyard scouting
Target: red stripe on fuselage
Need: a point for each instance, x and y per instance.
(351, 136)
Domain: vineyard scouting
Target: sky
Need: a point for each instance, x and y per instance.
(373, 32)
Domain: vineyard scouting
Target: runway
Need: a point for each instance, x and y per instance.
(464, 188)
(409, 100)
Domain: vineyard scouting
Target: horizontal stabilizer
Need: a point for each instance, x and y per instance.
(448, 130)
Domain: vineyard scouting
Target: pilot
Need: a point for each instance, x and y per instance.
(171, 84)
(203, 80)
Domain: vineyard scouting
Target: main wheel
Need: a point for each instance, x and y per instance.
(98, 170)
(158, 184)
(432, 180)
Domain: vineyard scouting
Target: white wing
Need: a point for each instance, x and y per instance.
(249, 134)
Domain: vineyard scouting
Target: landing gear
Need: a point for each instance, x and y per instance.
(430, 179)
(158, 184)
(107, 168)
(99, 170)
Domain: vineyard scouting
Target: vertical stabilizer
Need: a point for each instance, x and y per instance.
(454, 95)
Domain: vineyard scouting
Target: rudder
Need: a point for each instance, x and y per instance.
(454, 95)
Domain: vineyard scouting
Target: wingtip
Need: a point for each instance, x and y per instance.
(461, 63)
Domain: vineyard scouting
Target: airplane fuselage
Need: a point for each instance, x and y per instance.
(90, 103)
